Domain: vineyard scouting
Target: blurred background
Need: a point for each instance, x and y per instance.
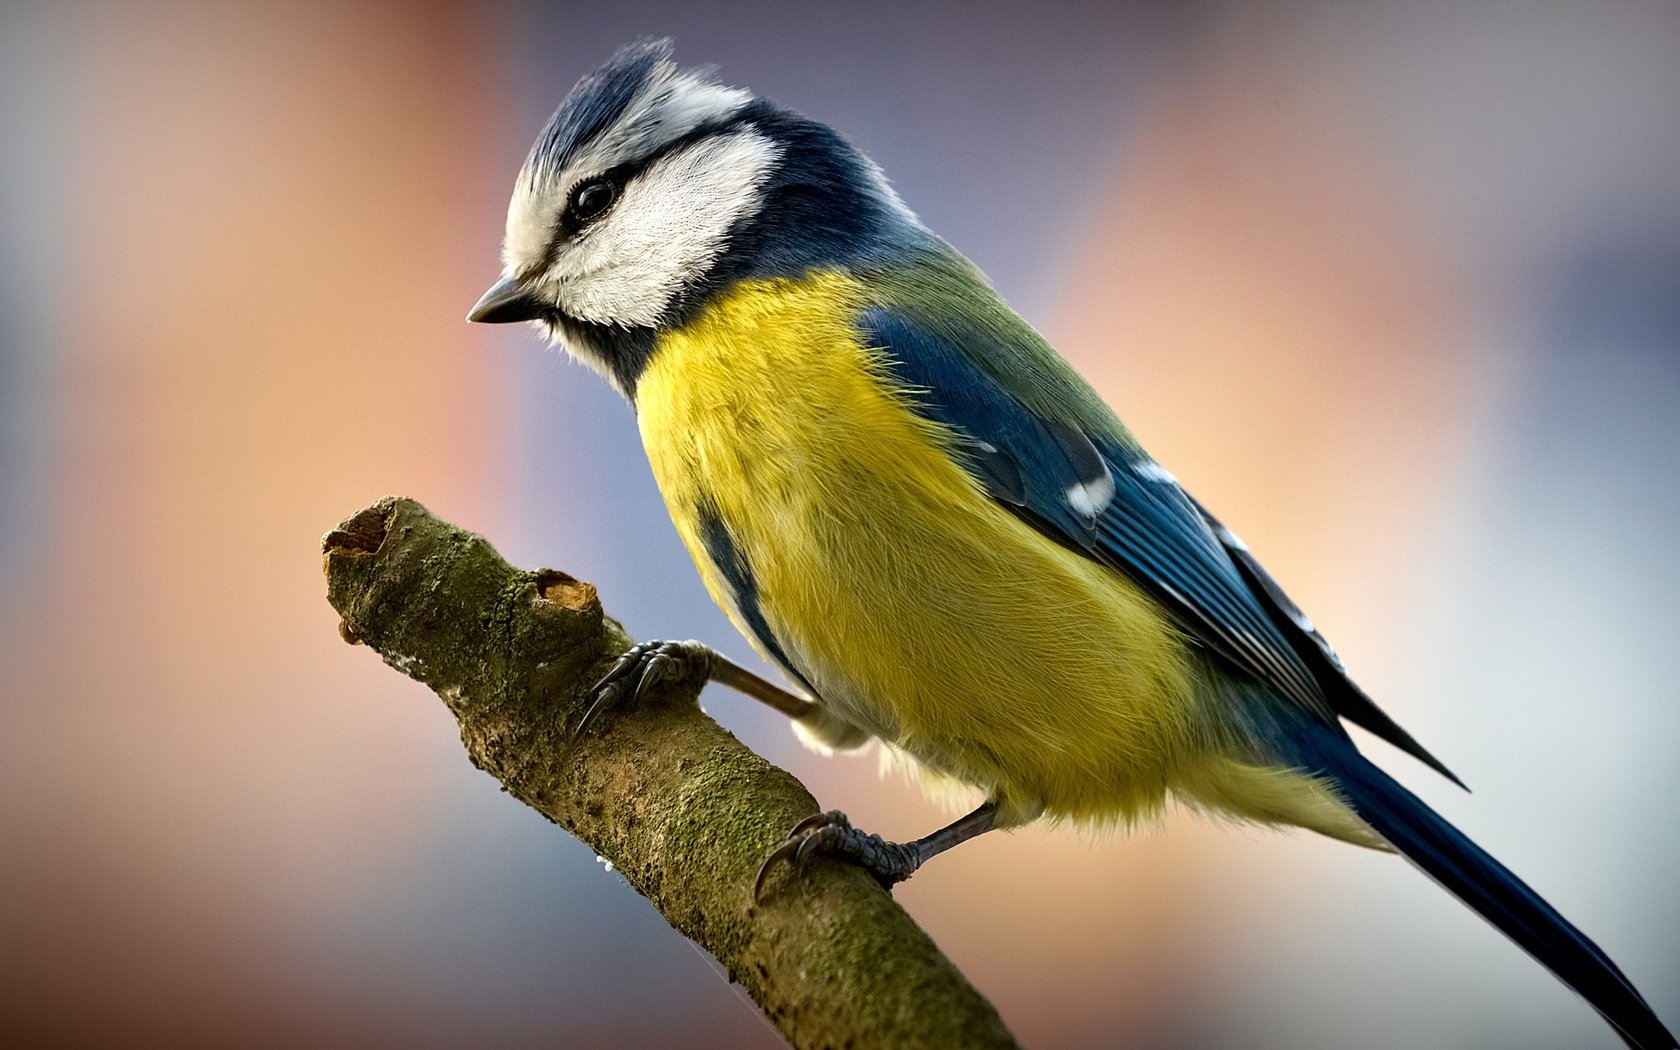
(1393, 287)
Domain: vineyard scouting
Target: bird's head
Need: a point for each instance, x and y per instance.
(652, 188)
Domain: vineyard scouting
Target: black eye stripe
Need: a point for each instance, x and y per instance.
(568, 224)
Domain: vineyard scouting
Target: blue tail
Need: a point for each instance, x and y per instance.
(1487, 886)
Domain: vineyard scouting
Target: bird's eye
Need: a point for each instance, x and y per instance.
(591, 199)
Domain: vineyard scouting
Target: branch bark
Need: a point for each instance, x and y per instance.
(676, 803)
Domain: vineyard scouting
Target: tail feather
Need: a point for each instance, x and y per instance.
(1487, 886)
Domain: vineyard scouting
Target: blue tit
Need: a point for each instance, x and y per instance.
(911, 504)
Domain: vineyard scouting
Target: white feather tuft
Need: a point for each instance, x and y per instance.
(1091, 498)
(1149, 470)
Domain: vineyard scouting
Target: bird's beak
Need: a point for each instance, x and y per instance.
(507, 300)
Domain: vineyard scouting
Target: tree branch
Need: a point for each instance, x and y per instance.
(677, 804)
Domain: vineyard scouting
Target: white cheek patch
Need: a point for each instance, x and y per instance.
(670, 225)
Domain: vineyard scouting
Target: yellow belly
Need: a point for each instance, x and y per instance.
(918, 608)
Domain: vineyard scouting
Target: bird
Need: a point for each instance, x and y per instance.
(913, 506)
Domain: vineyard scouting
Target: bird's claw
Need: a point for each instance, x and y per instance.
(832, 834)
(642, 667)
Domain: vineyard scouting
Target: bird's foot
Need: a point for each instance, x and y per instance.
(642, 667)
(831, 834)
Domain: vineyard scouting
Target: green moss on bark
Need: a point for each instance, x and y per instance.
(679, 806)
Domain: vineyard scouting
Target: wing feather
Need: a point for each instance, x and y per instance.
(1091, 488)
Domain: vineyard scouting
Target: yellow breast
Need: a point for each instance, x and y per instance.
(918, 608)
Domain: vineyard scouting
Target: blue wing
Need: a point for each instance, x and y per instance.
(1102, 496)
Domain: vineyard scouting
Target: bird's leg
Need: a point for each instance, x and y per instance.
(890, 862)
(649, 663)
(727, 672)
